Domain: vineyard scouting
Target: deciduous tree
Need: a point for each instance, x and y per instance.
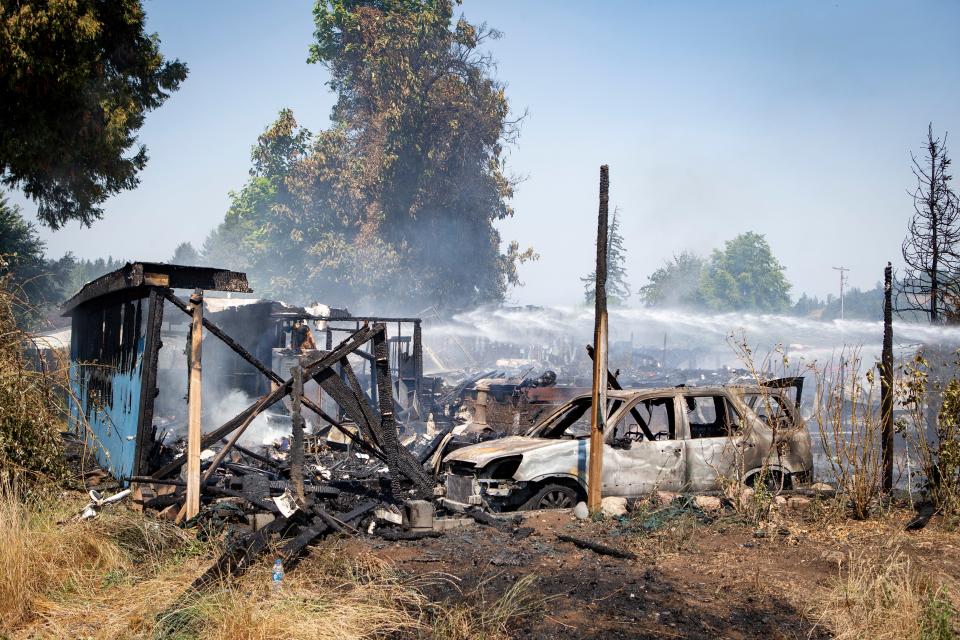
(397, 201)
(676, 283)
(745, 276)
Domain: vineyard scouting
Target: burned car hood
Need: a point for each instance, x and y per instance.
(485, 452)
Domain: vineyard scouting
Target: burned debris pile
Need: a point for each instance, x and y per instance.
(346, 464)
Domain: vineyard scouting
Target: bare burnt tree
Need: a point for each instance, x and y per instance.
(931, 285)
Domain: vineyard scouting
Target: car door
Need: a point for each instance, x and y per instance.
(717, 439)
(572, 422)
(645, 449)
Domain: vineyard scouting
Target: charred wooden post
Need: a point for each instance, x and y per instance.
(193, 407)
(418, 394)
(388, 425)
(886, 381)
(296, 446)
(599, 393)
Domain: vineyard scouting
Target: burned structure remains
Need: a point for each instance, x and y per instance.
(134, 339)
(298, 421)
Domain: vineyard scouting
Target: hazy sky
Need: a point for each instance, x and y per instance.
(793, 119)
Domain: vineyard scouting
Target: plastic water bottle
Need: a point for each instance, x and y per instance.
(277, 574)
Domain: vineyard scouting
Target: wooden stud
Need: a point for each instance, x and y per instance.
(194, 432)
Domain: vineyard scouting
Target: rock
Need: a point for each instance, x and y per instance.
(798, 502)
(822, 487)
(613, 507)
(580, 511)
(708, 503)
(780, 501)
(666, 497)
(740, 496)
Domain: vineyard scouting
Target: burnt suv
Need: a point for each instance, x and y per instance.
(676, 439)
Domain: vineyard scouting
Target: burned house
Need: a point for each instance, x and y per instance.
(128, 350)
(129, 358)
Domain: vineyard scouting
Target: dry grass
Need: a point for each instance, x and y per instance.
(305, 607)
(123, 576)
(487, 618)
(889, 597)
(849, 420)
(38, 557)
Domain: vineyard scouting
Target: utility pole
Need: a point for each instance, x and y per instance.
(886, 381)
(599, 395)
(843, 281)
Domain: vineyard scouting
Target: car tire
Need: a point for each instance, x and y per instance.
(773, 481)
(552, 496)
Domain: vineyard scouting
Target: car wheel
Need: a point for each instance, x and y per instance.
(552, 496)
(773, 481)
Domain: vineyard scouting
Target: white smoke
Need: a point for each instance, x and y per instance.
(262, 430)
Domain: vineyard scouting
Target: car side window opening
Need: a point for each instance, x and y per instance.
(650, 419)
(711, 417)
(769, 408)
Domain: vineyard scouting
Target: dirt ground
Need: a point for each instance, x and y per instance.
(697, 574)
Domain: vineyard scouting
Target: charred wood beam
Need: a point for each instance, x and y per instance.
(597, 547)
(238, 557)
(347, 400)
(402, 460)
(293, 550)
(394, 535)
(148, 389)
(418, 367)
(388, 425)
(886, 382)
(256, 456)
(381, 431)
(272, 484)
(363, 401)
(265, 402)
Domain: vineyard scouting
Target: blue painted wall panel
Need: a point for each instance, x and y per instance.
(106, 376)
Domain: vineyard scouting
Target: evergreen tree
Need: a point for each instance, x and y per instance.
(930, 285)
(185, 254)
(618, 289)
(35, 282)
(76, 81)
